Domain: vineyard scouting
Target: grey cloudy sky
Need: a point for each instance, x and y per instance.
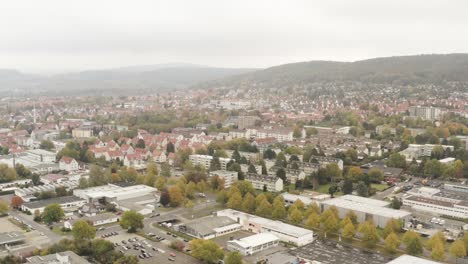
(60, 35)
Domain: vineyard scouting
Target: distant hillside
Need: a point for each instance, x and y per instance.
(401, 70)
(125, 80)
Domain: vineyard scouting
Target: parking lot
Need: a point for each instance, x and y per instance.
(329, 252)
(155, 252)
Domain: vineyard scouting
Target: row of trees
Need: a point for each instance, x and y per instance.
(242, 197)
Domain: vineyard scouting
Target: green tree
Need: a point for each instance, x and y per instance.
(248, 205)
(392, 243)
(264, 208)
(206, 250)
(347, 186)
(233, 258)
(281, 173)
(395, 203)
(351, 215)
(222, 197)
(176, 196)
(334, 172)
(269, 154)
(313, 207)
(236, 156)
(215, 164)
(170, 148)
(396, 160)
(96, 176)
(7, 174)
(332, 190)
(166, 170)
(376, 175)
(235, 201)
(295, 216)
(392, 226)
(127, 259)
(102, 251)
(132, 221)
(438, 251)
(331, 224)
(437, 237)
(433, 168)
(297, 133)
(279, 209)
(413, 243)
(369, 233)
(458, 250)
(362, 189)
(311, 131)
(348, 231)
(251, 169)
(140, 144)
(46, 144)
(465, 240)
(52, 213)
(299, 204)
(313, 220)
(82, 230)
(354, 173)
(36, 179)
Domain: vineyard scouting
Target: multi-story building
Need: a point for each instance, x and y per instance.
(229, 177)
(68, 164)
(459, 210)
(450, 201)
(262, 182)
(82, 132)
(425, 112)
(280, 134)
(205, 161)
(416, 151)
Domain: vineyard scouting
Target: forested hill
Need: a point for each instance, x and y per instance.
(124, 80)
(417, 69)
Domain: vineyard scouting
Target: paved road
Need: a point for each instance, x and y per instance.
(28, 219)
(384, 194)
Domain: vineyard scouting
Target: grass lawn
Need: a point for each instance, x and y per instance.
(324, 189)
(58, 230)
(379, 187)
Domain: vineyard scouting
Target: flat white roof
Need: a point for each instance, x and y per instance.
(366, 205)
(407, 259)
(278, 226)
(255, 240)
(294, 197)
(114, 191)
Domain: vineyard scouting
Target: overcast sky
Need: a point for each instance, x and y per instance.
(60, 35)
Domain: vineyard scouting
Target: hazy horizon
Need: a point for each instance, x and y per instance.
(53, 36)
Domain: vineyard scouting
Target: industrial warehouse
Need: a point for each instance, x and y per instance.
(366, 209)
(285, 232)
(253, 244)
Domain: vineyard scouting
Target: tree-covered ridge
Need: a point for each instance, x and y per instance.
(419, 69)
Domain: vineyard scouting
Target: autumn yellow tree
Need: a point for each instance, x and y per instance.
(313, 220)
(392, 242)
(348, 231)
